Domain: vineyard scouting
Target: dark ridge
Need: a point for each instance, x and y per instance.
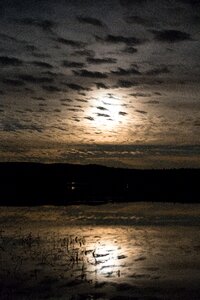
(61, 184)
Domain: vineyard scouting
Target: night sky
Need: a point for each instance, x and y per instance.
(107, 82)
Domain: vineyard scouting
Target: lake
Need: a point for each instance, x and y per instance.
(113, 251)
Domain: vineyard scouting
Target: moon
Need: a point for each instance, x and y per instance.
(106, 111)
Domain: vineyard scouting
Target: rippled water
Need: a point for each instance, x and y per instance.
(94, 253)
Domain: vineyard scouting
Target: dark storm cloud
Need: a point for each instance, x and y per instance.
(118, 39)
(10, 61)
(91, 21)
(51, 88)
(126, 72)
(77, 87)
(90, 74)
(125, 84)
(72, 64)
(171, 36)
(129, 50)
(13, 82)
(158, 71)
(99, 61)
(41, 64)
(35, 80)
(72, 43)
(45, 25)
(101, 85)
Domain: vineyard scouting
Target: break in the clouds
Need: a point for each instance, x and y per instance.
(84, 75)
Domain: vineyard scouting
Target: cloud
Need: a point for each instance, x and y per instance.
(99, 61)
(72, 43)
(117, 39)
(171, 36)
(158, 71)
(10, 61)
(125, 84)
(191, 2)
(76, 87)
(8, 38)
(89, 118)
(75, 109)
(81, 100)
(141, 111)
(39, 98)
(90, 74)
(125, 72)
(16, 125)
(57, 110)
(72, 64)
(101, 108)
(122, 113)
(87, 53)
(66, 100)
(41, 64)
(152, 102)
(138, 20)
(50, 73)
(103, 115)
(140, 94)
(13, 82)
(45, 25)
(101, 85)
(51, 88)
(33, 79)
(91, 21)
(41, 55)
(30, 48)
(125, 3)
(129, 50)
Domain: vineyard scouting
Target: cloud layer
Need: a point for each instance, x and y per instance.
(120, 73)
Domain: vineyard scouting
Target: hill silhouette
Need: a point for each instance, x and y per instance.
(61, 184)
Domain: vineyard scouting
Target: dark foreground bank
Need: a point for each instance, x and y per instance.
(61, 184)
